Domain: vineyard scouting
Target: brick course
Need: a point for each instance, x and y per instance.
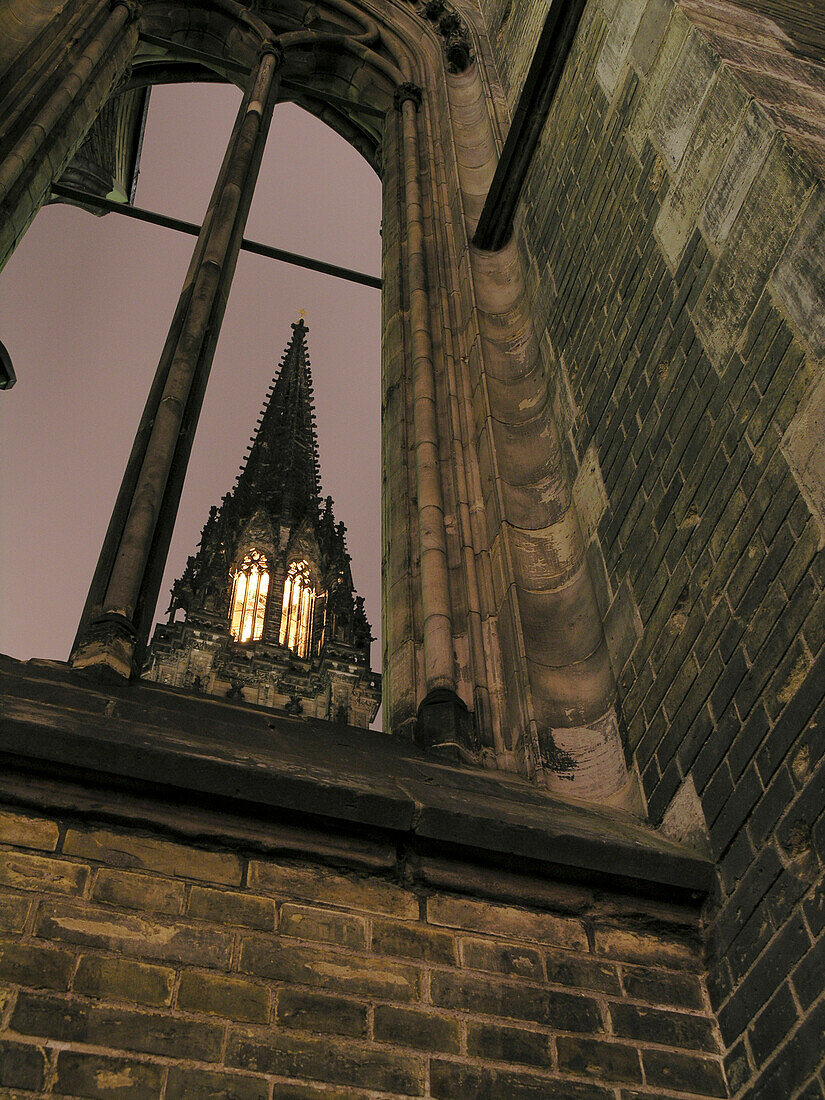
(459, 998)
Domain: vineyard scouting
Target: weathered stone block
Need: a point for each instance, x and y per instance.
(644, 947)
(42, 873)
(687, 1073)
(620, 33)
(799, 277)
(266, 957)
(22, 1065)
(413, 941)
(153, 854)
(327, 925)
(109, 979)
(675, 117)
(322, 885)
(24, 831)
(308, 1011)
(96, 1075)
(600, 1060)
(217, 995)
(676, 1029)
(745, 156)
(13, 912)
(65, 1020)
(503, 920)
(134, 935)
(228, 907)
(583, 973)
(489, 997)
(329, 1060)
(34, 965)
(157, 895)
(187, 1083)
(514, 960)
(498, 1043)
(411, 1027)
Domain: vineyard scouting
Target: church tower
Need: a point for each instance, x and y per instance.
(266, 610)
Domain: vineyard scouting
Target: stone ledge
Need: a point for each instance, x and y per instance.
(160, 745)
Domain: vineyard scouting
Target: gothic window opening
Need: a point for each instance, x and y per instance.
(249, 593)
(298, 608)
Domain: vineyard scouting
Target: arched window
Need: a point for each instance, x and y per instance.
(296, 615)
(249, 598)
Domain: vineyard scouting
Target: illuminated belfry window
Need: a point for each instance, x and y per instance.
(249, 598)
(296, 615)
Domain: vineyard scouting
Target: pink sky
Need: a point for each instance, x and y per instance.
(84, 307)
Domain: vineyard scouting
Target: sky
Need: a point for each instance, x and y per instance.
(85, 304)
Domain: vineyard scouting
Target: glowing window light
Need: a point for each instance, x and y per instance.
(297, 609)
(249, 598)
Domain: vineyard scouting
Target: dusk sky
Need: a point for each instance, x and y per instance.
(85, 305)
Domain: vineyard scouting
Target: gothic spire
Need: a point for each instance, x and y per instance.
(281, 470)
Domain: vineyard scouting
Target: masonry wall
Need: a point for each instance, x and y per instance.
(673, 239)
(134, 965)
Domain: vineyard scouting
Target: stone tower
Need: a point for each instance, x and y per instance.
(266, 610)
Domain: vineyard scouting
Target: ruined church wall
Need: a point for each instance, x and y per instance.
(672, 228)
(143, 965)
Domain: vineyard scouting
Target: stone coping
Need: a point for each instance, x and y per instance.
(161, 743)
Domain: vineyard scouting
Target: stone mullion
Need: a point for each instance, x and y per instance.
(457, 460)
(400, 634)
(57, 126)
(114, 634)
(438, 642)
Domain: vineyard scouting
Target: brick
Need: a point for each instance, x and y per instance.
(134, 935)
(266, 957)
(326, 1059)
(331, 888)
(600, 1060)
(517, 1001)
(326, 925)
(505, 920)
(227, 907)
(13, 912)
(689, 1073)
(411, 1027)
(457, 1081)
(784, 951)
(66, 1020)
(502, 958)
(773, 1023)
(94, 1075)
(413, 941)
(42, 874)
(128, 851)
(662, 987)
(186, 1083)
(500, 1043)
(808, 974)
(132, 891)
(35, 965)
(796, 1060)
(218, 995)
(22, 1065)
(582, 973)
(652, 1025)
(110, 979)
(737, 1067)
(23, 831)
(307, 1011)
(645, 947)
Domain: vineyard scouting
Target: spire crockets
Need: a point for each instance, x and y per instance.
(281, 470)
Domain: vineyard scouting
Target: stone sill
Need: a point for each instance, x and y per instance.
(65, 739)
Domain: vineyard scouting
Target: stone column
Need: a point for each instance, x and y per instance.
(124, 589)
(47, 121)
(443, 720)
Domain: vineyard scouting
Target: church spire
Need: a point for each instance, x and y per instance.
(282, 470)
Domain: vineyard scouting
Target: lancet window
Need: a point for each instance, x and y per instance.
(297, 611)
(249, 592)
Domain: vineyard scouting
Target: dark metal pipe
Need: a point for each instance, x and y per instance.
(62, 191)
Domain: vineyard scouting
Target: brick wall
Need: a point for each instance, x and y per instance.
(135, 965)
(670, 244)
